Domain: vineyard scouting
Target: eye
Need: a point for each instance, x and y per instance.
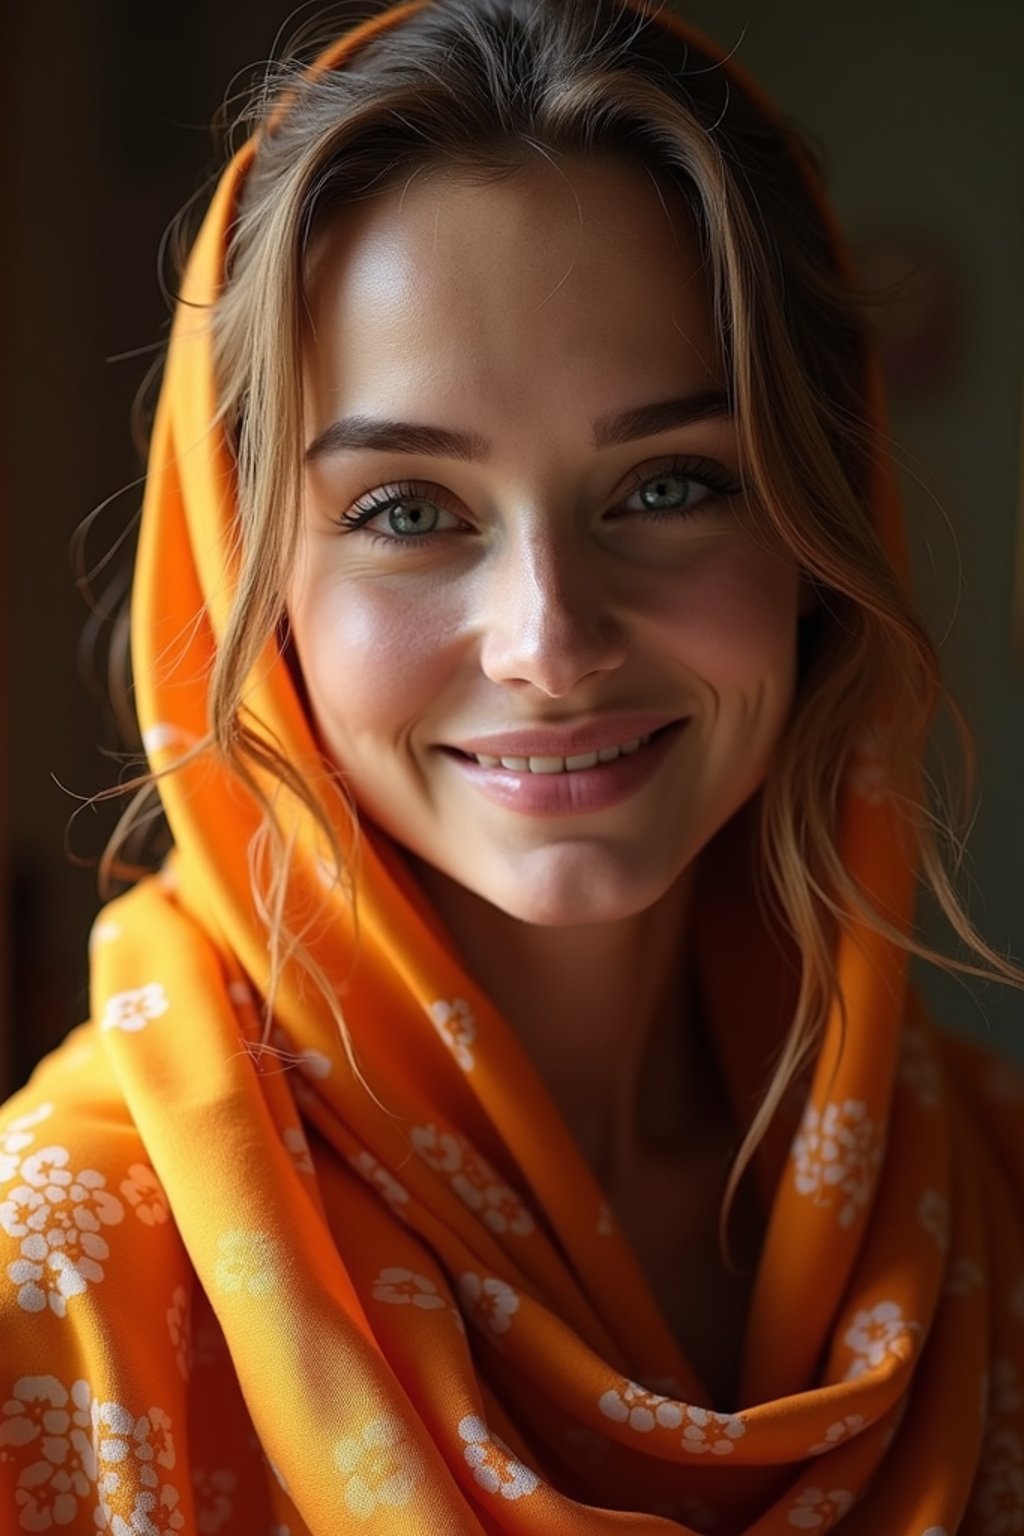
(401, 514)
(681, 487)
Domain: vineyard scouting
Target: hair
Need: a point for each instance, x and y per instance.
(484, 89)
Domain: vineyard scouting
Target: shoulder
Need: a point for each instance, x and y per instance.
(75, 1183)
(107, 1342)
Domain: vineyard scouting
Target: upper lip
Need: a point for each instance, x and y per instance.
(569, 740)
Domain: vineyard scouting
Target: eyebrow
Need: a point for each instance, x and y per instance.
(366, 432)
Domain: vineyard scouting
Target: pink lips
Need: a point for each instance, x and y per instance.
(560, 794)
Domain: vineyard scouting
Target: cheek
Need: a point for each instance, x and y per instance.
(373, 658)
(732, 617)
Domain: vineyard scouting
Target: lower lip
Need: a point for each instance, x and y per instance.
(571, 794)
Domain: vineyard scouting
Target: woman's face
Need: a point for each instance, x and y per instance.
(546, 564)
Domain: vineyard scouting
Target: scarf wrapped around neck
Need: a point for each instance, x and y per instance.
(239, 1293)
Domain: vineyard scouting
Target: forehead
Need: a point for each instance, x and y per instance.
(573, 276)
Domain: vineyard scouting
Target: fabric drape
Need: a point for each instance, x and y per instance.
(242, 1293)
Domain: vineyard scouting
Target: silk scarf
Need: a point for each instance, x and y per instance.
(243, 1294)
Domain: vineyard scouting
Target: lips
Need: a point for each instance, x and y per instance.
(550, 788)
(607, 736)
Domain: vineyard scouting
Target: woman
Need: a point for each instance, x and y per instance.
(505, 1110)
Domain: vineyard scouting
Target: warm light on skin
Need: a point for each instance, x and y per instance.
(521, 313)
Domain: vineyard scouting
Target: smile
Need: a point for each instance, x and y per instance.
(561, 764)
(581, 783)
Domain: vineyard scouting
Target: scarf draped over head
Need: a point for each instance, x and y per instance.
(242, 1293)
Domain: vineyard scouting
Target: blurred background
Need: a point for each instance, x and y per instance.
(919, 118)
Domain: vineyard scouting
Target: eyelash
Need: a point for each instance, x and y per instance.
(703, 472)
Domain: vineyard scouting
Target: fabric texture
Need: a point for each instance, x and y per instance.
(241, 1294)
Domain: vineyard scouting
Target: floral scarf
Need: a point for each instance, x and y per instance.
(241, 1294)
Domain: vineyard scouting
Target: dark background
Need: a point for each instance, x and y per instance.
(106, 112)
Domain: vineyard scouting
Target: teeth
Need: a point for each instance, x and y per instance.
(562, 764)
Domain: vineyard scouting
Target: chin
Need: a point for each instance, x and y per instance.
(568, 897)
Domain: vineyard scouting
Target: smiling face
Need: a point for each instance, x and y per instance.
(483, 616)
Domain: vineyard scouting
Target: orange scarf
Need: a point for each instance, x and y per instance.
(239, 1295)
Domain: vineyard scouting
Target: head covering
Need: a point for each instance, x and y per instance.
(243, 1294)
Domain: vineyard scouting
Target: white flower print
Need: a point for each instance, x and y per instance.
(933, 1214)
(714, 1433)
(212, 1492)
(179, 1326)
(489, 1302)
(816, 1510)
(473, 1179)
(103, 931)
(878, 1333)
(852, 1424)
(837, 1155)
(963, 1276)
(164, 734)
(440, 1150)
(133, 1010)
(494, 1466)
(632, 1404)
(17, 1136)
(998, 1497)
(143, 1191)
(75, 1450)
(380, 1466)
(48, 1428)
(374, 1172)
(133, 1454)
(456, 1025)
(918, 1069)
(57, 1215)
(315, 1064)
(401, 1287)
(246, 1262)
(295, 1141)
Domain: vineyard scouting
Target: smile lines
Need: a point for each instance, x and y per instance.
(560, 764)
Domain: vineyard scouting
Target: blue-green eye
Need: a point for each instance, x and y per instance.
(412, 516)
(683, 486)
(400, 514)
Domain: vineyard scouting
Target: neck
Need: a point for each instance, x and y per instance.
(603, 1012)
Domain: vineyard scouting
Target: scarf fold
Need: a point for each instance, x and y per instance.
(245, 1292)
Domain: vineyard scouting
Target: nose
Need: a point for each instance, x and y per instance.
(550, 617)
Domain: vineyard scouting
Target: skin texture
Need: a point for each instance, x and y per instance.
(520, 312)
